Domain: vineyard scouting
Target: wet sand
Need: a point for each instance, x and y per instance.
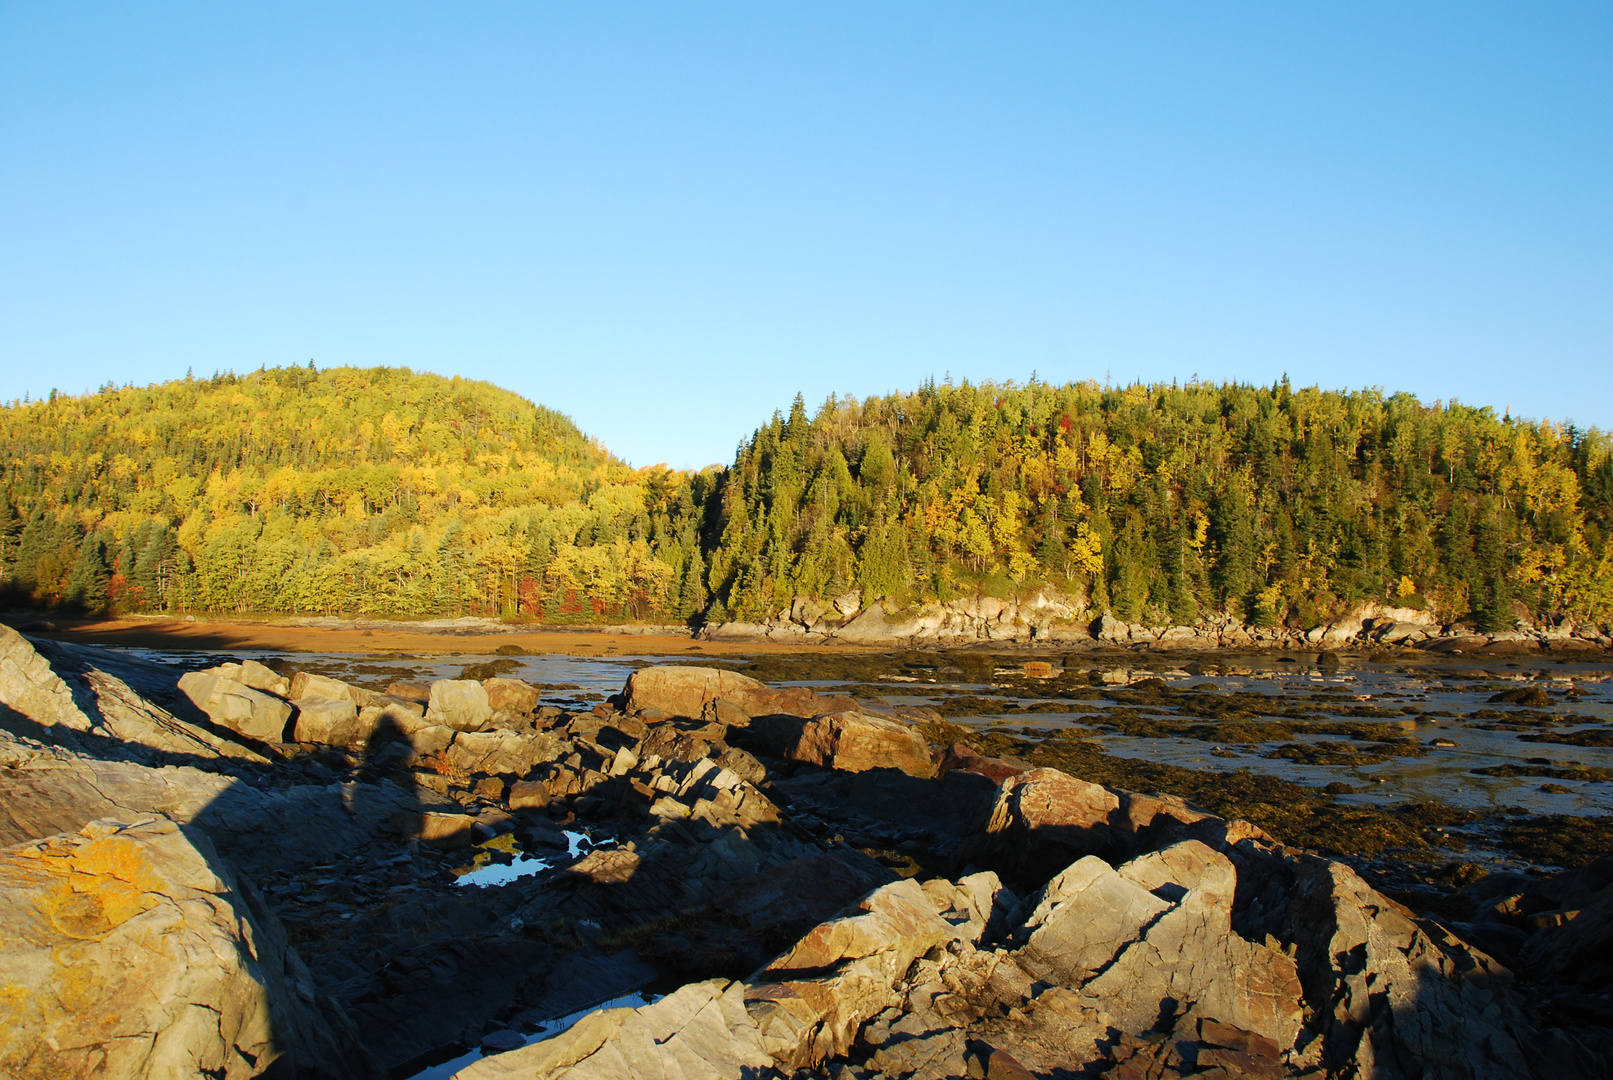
(372, 637)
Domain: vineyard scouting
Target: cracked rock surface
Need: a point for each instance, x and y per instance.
(129, 951)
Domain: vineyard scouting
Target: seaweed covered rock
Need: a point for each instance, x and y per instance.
(131, 951)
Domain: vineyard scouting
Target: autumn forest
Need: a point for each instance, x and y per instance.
(383, 492)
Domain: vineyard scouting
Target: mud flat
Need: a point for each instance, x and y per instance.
(468, 635)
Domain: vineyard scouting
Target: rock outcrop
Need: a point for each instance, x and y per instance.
(1131, 971)
(700, 1030)
(131, 951)
(75, 696)
(1043, 818)
(1043, 617)
(31, 689)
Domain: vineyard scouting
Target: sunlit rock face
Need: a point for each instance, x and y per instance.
(131, 951)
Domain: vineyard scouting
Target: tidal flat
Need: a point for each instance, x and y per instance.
(1422, 775)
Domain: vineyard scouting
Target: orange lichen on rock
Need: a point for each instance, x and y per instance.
(98, 886)
(128, 952)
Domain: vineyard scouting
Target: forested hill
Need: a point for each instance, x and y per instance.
(346, 490)
(1164, 504)
(385, 492)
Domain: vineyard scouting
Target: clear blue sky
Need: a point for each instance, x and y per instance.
(665, 220)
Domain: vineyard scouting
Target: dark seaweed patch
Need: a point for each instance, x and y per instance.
(1559, 839)
(1555, 772)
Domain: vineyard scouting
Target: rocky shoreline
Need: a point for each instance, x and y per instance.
(1047, 619)
(816, 883)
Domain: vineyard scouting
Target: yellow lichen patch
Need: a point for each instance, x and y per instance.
(17, 1008)
(81, 990)
(100, 885)
(119, 858)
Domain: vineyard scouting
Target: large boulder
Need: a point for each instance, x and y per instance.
(424, 742)
(131, 951)
(305, 684)
(685, 691)
(340, 722)
(1394, 994)
(788, 900)
(704, 693)
(858, 742)
(810, 1003)
(262, 677)
(515, 697)
(1396, 633)
(1186, 951)
(871, 628)
(461, 704)
(1084, 916)
(504, 752)
(257, 676)
(332, 721)
(527, 795)
(1043, 819)
(440, 830)
(236, 706)
(391, 715)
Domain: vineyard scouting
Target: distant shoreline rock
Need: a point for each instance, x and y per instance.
(1047, 620)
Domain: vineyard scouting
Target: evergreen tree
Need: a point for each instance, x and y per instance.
(452, 560)
(1492, 602)
(86, 582)
(692, 595)
(10, 527)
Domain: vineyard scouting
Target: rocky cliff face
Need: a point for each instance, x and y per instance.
(1047, 619)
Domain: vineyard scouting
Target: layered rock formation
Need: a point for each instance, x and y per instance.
(1048, 619)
